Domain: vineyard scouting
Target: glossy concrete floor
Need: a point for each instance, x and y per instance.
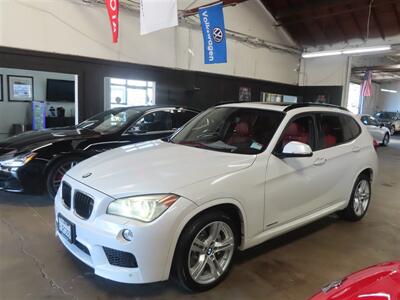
(33, 264)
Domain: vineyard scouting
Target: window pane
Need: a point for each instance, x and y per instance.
(156, 121)
(136, 97)
(118, 81)
(181, 117)
(137, 83)
(332, 131)
(300, 130)
(118, 95)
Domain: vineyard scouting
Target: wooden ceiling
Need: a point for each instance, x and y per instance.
(325, 22)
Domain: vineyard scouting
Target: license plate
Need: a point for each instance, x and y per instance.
(66, 228)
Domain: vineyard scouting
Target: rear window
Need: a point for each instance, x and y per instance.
(351, 129)
(337, 129)
(331, 130)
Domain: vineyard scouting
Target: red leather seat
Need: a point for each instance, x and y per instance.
(295, 132)
(241, 134)
(329, 140)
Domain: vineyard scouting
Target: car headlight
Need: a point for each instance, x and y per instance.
(144, 208)
(18, 160)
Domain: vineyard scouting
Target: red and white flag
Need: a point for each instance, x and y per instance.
(366, 88)
(113, 11)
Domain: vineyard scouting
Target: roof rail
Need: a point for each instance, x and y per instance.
(308, 104)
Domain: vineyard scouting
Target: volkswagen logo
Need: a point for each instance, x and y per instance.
(86, 175)
(218, 35)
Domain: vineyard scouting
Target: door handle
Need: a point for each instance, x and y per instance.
(356, 149)
(320, 161)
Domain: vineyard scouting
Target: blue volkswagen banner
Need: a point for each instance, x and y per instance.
(212, 23)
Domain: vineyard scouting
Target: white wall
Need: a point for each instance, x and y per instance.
(390, 101)
(382, 101)
(72, 27)
(20, 112)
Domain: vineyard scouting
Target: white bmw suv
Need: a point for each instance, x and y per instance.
(233, 177)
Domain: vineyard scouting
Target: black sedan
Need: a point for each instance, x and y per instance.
(36, 161)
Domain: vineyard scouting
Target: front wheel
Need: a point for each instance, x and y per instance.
(386, 140)
(57, 171)
(205, 251)
(359, 201)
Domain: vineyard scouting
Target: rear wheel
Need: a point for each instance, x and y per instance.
(205, 251)
(58, 170)
(392, 130)
(386, 139)
(359, 201)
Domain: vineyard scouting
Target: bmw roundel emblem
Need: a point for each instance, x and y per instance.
(218, 34)
(86, 175)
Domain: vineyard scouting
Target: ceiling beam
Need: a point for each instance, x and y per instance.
(306, 19)
(384, 68)
(312, 5)
(195, 10)
(397, 14)
(340, 26)
(355, 20)
(378, 23)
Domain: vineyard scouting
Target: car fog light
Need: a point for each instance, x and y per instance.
(127, 234)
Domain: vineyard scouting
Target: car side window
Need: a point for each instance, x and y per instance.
(350, 128)
(364, 119)
(299, 130)
(180, 117)
(331, 133)
(152, 122)
(373, 121)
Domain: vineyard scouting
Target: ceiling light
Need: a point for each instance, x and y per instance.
(389, 91)
(346, 51)
(321, 53)
(366, 49)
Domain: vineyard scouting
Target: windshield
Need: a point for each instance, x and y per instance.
(385, 115)
(110, 120)
(230, 129)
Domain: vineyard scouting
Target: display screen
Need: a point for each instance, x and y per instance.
(60, 90)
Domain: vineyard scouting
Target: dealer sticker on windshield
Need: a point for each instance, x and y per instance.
(255, 145)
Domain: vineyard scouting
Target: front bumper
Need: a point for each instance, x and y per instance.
(150, 246)
(9, 180)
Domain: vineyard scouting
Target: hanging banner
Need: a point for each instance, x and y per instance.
(156, 15)
(38, 115)
(212, 23)
(113, 11)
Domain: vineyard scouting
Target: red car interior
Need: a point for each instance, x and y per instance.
(241, 134)
(296, 132)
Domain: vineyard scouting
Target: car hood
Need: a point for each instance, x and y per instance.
(32, 139)
(154, 167)
(379, 282)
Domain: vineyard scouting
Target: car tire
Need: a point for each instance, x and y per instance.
(57, 171)
(392, 130)
(359, 200)
(386, 139)
(199, 262)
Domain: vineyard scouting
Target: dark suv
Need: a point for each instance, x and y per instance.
(36, 161)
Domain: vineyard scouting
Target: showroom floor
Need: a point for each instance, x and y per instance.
(34, 265)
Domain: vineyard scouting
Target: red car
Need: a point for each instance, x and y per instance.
(379, 282)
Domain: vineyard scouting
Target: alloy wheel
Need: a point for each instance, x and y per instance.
(386, 139)
(361, 197)
(211, 252)
(60, 172)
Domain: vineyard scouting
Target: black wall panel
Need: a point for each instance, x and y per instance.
(177, 87)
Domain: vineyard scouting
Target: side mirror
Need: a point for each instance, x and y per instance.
(296, 149)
